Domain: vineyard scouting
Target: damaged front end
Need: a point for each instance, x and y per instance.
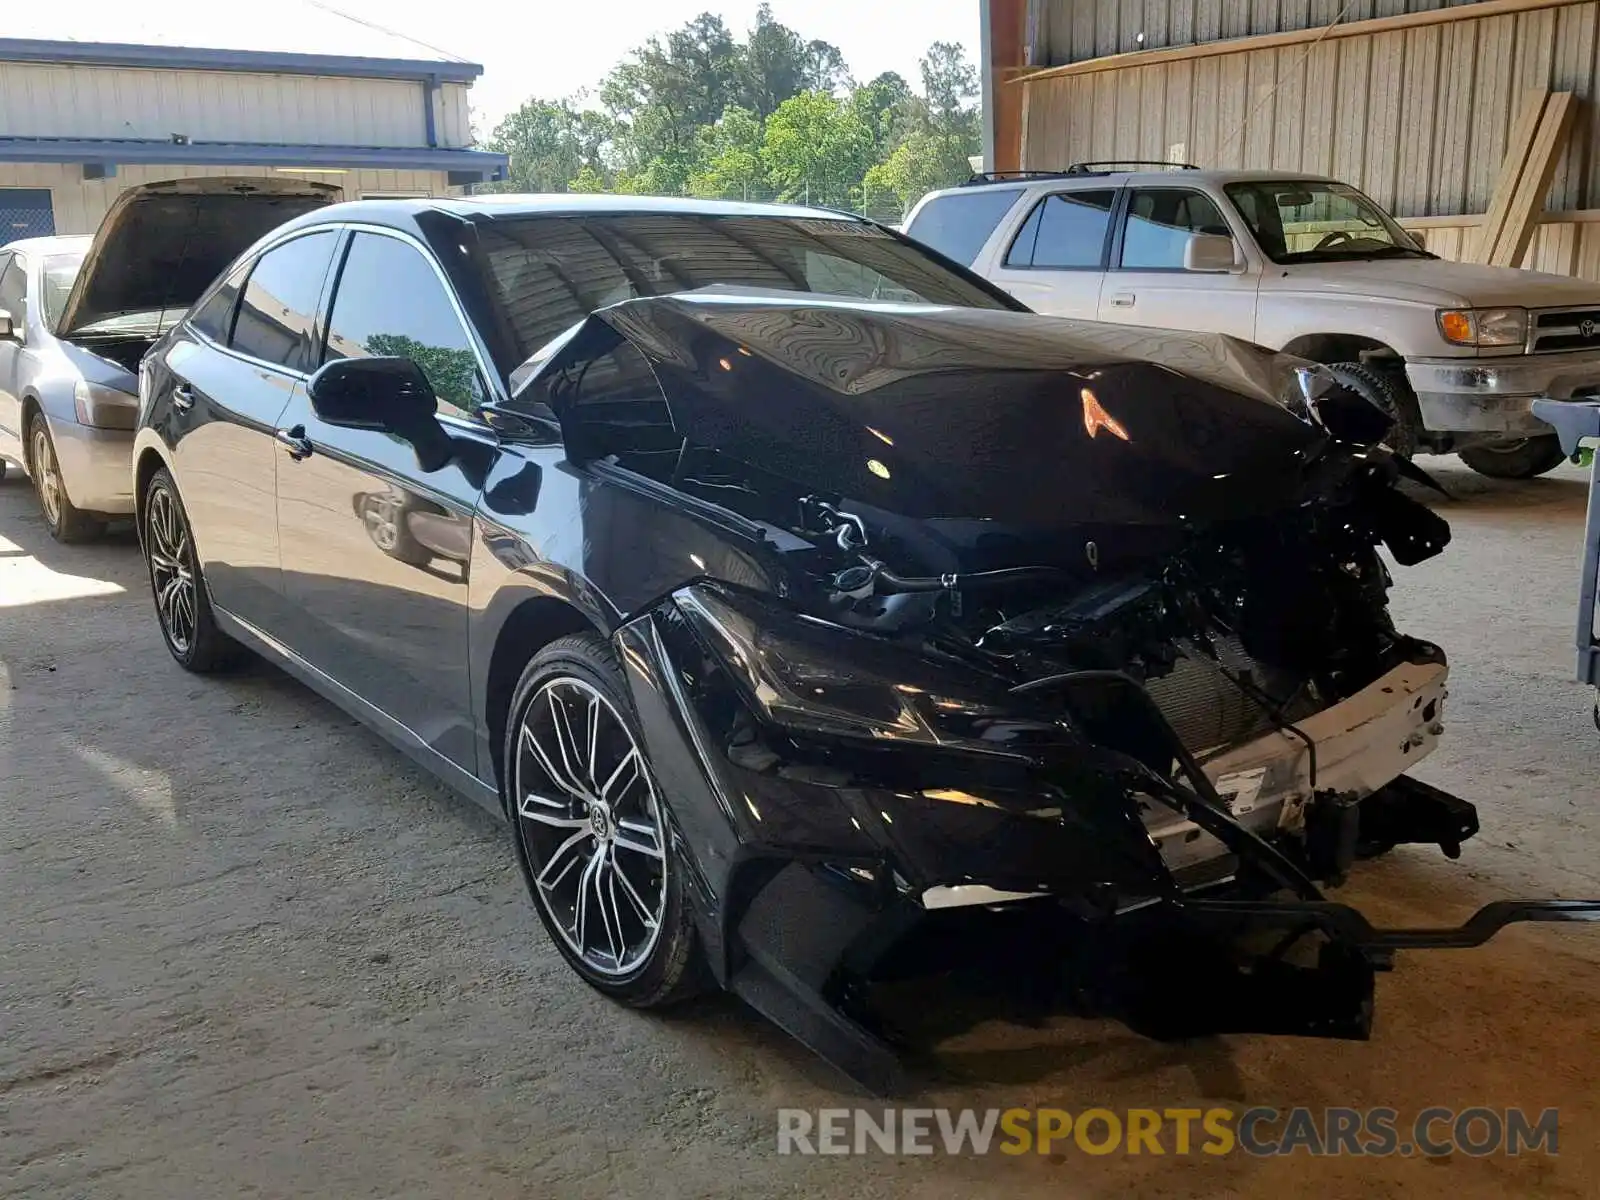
(1086, 681)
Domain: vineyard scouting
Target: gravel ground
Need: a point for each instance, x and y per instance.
(249, 950)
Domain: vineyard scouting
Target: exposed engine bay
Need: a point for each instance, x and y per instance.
(1266, 643)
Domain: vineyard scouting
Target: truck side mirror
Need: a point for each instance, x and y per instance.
(8, 328)
(1209, 252)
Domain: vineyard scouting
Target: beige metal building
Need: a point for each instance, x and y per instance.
(368, 111)
(1411, 100)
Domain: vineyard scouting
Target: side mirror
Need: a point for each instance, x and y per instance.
(1419, 236)
(387, 394)
(8, 328)
(1209, 252)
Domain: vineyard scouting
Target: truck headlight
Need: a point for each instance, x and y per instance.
(1484, 326)
(102, 407)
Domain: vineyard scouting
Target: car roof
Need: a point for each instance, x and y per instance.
(50, 245)
(503, 206)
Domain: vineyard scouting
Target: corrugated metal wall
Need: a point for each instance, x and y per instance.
(1417, 118)
(1079, 29)
(45, 100)
(79, 203)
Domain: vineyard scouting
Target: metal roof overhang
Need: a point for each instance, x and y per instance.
(187, 58)
(479, 164)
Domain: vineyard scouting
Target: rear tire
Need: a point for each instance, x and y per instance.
(1518, 458)
(183, 605)
(66, 522)
(1388, 390)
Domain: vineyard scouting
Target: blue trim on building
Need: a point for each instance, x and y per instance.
(185, 58)
(482, 164)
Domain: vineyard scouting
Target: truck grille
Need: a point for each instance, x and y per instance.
(1565, 329)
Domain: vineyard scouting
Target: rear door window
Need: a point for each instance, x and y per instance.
(277, 316)
(214, 318)
(1065, 231)
(958, 225)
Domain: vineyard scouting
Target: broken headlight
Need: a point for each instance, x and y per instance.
(809, 677)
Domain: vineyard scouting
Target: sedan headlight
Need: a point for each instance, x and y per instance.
(1484, 326)
(102, 407)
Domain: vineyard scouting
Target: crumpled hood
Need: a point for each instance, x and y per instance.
(1437, 282)
(934, 412)
(161, 244)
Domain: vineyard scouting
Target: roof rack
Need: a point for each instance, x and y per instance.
(1076, 170)
(1100, 167)
(1008, 176)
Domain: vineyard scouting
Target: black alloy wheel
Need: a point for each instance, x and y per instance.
(183, 609)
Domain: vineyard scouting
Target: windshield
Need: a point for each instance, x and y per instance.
(57, 274)
(550, 273)
(1309, 220)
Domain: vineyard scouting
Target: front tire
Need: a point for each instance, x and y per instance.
(1392, 394)
(1518, 458)
(183, 606)
(591, 828)
(66, 522)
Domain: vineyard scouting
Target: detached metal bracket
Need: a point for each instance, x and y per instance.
(1350, 926)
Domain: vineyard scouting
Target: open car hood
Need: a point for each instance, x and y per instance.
(937, 412)
(162, 243)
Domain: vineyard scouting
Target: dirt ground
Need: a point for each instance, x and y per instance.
(249, 950)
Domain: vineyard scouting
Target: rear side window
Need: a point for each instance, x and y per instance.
(1160, 221)
(214, 318)
(277, 316)
(959, 224)
(1066, 230)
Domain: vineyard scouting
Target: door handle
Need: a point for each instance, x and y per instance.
(182, 398)
(295, 442)
(1122, 300)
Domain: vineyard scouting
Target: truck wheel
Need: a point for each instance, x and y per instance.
(1517, 458)
(1389, 390)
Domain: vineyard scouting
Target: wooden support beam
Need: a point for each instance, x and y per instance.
(1518, 146)
(1528, 203)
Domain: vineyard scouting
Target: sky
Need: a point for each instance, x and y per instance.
(544, 48)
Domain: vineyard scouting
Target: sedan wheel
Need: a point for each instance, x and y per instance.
(592, 829)
(171, 570)
(592, 824)
(183, 608)
(66, 522)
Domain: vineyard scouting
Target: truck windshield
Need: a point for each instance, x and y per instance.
(1310, 220)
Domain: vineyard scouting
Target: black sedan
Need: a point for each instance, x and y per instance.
(814, 614)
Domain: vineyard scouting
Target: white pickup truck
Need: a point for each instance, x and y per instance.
(1456, 353)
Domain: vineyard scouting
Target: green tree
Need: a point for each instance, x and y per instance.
(816, 148)
(550, 142)
(666, 90)
(779, 64)
(884, 106)
(730, 157)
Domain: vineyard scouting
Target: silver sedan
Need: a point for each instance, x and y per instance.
(67, 408)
